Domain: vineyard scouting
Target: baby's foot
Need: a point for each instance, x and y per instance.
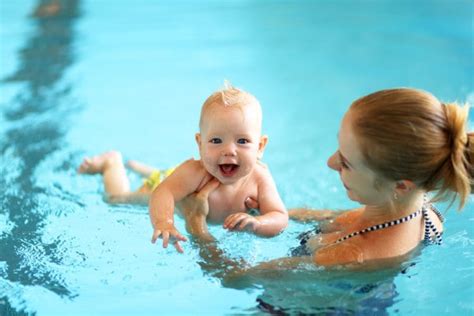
(140, 168)
(97, 164)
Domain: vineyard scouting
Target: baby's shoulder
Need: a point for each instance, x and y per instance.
(193, 166)
(192, 163)
(194, 169)
(261, 169)
(262, 174)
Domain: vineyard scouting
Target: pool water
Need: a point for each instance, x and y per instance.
(82, 77)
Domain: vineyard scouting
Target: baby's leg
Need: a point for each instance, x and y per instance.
(110, 165)
(140, 168)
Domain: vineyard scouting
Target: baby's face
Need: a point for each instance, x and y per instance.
(230, 141)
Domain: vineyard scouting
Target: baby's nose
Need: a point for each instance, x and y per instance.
(229, 150)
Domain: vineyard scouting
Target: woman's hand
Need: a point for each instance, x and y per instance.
(195, 209)
(251, 203)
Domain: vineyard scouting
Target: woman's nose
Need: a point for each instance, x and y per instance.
(333, 162)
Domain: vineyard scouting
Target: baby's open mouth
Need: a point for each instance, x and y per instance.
(228, 169)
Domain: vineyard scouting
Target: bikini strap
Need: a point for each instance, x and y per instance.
(380, 226)
(433, 208)
(431, 228)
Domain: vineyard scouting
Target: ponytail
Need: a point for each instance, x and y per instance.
(456, 176)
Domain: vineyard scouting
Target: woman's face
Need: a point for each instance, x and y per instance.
(358, 179)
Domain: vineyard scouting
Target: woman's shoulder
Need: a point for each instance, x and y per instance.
(371, 242)
(349, 216)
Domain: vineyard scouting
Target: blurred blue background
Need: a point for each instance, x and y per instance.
(81, 77)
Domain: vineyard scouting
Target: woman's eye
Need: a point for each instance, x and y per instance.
(344, 165)
(215, 141)
(243, 141)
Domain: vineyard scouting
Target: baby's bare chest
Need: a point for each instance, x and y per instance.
(227, 200)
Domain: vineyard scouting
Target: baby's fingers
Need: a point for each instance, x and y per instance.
(156, 235)
(229, 220)
(166, 237)
(178, 247)
(235, 220)
(177, 236)
(244, 223)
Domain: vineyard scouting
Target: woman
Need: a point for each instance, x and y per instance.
(395, 146)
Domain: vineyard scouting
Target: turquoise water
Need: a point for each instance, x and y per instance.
(131, 76)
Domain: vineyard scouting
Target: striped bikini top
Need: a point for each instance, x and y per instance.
(431, 234)
(430, 228)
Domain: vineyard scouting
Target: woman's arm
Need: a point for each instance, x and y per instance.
(309, 215)
(195, 208)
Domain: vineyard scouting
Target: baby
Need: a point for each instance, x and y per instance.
(230, 146)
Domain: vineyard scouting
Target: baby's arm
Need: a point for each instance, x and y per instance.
(274, 217)
(182, 182)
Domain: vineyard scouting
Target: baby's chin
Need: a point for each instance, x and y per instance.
(227, 180)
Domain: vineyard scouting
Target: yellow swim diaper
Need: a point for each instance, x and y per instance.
(156, 177)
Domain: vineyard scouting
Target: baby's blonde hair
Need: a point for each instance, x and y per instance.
(229, 96)
(408, 134)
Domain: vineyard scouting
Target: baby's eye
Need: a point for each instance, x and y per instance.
(215, 140)
(243, 141)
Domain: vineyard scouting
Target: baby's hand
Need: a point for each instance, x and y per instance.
(168, 232)
(241, 221)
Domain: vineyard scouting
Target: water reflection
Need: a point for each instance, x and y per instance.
(35, 129)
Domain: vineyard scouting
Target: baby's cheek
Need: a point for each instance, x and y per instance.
(207, 162)
(247, 168)
(210, 166)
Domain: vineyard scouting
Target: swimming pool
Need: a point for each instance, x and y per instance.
(115, 75)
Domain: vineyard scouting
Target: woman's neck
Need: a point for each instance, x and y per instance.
(394, 209)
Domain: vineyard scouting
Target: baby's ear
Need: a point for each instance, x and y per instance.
(198, 140)
(261, 146)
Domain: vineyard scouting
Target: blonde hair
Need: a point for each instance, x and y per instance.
(229, 96)
(408, 134)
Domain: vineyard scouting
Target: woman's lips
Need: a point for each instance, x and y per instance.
(228, 170)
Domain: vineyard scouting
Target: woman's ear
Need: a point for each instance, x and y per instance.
(261, 146)
(403, 187)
